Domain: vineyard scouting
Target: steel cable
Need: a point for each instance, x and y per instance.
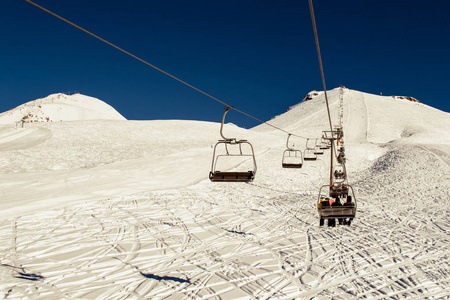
(160, 70)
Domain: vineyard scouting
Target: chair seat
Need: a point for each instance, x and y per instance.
(310, 158)
(291, 166)
(232, 176)
(337, 212)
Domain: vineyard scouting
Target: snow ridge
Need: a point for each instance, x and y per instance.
(61, 107)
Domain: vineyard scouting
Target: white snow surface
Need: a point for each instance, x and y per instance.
(115, 209)
(61, 107)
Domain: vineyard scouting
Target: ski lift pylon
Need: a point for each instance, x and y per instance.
(231, 176)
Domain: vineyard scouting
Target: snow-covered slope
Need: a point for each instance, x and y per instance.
(124, 209)
(61, 107)
(308, 118)
(367, 118)
(386, 119)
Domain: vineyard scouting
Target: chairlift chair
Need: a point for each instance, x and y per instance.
(339, 131)
(338, 190)
(309, 152)
(325, 143)
(339, 204)
(339, 174)
(317, 149)
(292, 158)
(341, 158)
(227, 144)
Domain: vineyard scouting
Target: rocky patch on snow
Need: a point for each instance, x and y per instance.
(412, 99)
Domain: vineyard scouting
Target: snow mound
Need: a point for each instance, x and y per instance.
(61, 107)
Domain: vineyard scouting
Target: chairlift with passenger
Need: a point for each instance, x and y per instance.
(336, 201)
(231, 148)
(339, 130)
(341, 157)
(339, 174)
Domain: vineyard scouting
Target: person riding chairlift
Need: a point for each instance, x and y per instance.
(348, 203)
(338, 174)
(325, 202)
(338, 203)
(341, 158)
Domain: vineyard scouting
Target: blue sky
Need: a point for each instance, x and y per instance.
(258, 56)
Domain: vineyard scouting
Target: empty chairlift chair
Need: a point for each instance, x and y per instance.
(309, 152)
(325, 144)
(292, 158)
(229, 149)
(317, 149)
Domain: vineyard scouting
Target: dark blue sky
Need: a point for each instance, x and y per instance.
(259, 56)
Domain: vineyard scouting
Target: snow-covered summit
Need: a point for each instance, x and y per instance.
(366, 118)
(61, 107)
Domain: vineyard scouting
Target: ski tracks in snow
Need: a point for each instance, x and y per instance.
(194, 244)
(250, 241)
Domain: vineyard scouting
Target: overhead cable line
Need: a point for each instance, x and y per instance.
(316, 36)
(311, 9)
(160, 70)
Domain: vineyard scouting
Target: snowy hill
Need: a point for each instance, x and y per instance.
(368, 118)
(117, 209)
(61, 107)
